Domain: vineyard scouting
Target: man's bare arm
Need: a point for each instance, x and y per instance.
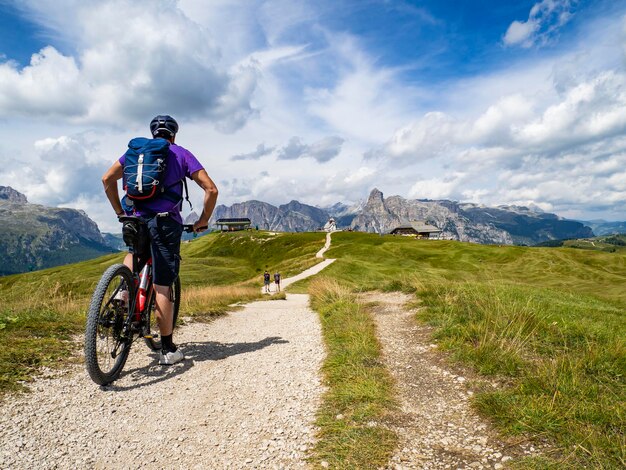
(210, 198)
(109, 181)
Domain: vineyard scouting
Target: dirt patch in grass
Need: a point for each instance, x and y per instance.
(436, 424)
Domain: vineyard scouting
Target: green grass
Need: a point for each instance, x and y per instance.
(40, 311)
(609, 243)
(359, 395)
(550, 322)
(370, 262)
(564, 356)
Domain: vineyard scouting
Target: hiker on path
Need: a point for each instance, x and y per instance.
(161, 213)
(277, 281)
(266, 281)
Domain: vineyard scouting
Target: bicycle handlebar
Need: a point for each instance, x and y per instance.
(189, 227)
(186, 227)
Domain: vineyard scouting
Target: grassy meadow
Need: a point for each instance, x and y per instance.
(41, 311)
(548, 322)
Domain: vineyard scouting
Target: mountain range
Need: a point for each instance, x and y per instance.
(602, 227)
(33, 236)
(506, 225)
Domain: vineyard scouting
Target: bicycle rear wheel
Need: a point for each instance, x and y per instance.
(153, 338)
(106, 350)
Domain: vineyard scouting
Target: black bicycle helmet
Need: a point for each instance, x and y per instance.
(164, 123)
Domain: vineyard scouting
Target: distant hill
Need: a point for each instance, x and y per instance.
(34, 237)
(115, 241)
(601, 227)
(610, 243)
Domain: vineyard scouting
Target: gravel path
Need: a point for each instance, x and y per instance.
(245, 398)
(307, 272)
(320, 254)
(437, 427)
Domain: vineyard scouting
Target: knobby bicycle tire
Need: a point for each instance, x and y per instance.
(104, 321)
(152, 342)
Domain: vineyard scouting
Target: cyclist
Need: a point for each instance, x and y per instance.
(164, 222)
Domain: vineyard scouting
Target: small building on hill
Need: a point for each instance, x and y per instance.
(330, 226)
(419, 229)
(233, 225)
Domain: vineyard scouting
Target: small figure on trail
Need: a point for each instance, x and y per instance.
(266, 281)
(277, 281)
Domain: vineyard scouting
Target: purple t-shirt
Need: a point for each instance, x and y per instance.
(181, 163)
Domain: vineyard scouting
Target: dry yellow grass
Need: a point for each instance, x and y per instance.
(214, 300)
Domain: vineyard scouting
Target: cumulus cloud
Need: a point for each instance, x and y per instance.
(262, 186)
(323, 150)
(589, 111)
(261, 151)
(135, 59)
(544, 20)
(562, 153)
(62, 170)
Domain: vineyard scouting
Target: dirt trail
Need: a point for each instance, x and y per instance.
(245, 398)
(436, 424)
(320, 254)
(306, 273)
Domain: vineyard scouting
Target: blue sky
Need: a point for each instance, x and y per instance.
(491, 102)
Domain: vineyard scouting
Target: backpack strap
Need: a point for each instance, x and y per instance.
(187, 193)
(173, 196)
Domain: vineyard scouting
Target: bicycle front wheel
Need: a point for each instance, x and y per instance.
(106, 348)
(153, 338)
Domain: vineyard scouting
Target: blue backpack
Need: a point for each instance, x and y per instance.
(144, 168)
(145, 162)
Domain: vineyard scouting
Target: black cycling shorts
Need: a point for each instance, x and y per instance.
(165, 235)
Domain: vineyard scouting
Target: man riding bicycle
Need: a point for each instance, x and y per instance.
(162, 216)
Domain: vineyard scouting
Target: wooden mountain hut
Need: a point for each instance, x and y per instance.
(233, 225)
(418, 229)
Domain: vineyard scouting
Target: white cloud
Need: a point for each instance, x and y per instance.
(261, 151)
(323, 150)
(561, 150)
(135, 59)
(62, 170)
(595, 109)
(436, 188)
(544, 20)
(365, 101)
(520, 32)
(363, 173)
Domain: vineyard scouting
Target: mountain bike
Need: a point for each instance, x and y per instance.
(122, 307)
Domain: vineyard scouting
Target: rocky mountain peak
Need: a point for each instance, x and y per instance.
(376, 202)
(376, 195)
(7, 193)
